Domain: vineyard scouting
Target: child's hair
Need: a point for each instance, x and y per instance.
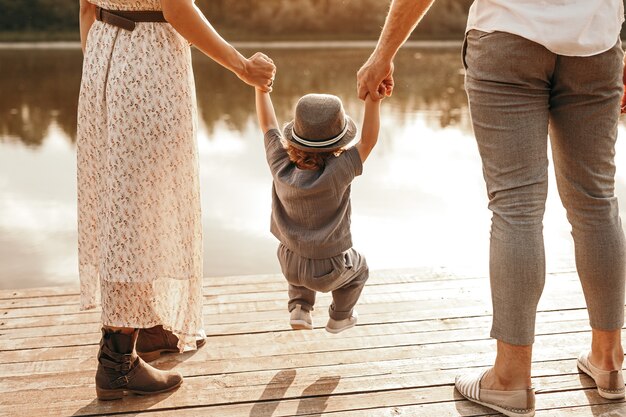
(310, 160)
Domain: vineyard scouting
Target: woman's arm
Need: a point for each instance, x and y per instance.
(87, 16)
(188, 20)
(370, 128)
(265, 111)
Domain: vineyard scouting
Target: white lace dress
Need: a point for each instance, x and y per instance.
(139, 231)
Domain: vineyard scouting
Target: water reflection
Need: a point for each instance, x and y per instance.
(40, 88)
(421, 200)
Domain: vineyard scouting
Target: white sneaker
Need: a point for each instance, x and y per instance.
(338, 326)
(301, 319)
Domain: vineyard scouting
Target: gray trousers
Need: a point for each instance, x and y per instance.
(518, 93)
(345, 275)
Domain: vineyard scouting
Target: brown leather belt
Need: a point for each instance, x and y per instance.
(127, 19)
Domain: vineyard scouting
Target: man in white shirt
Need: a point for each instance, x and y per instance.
(533, 68)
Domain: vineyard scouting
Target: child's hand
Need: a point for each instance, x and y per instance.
(388, 86)
(384, 90)
(381, 95)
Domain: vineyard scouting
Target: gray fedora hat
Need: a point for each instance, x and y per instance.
(320, 124)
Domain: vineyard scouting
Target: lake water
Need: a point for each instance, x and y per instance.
(420, 203)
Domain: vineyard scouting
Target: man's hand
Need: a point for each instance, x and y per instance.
(259, 72)
(375, 78)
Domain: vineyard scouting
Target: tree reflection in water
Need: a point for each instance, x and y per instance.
(39, 88)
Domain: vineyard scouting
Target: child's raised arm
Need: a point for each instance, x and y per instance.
(370, 128)
(265, 111)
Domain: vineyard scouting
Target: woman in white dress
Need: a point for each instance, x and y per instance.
(140, 235)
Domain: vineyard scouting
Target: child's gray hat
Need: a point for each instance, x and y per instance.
(320, 124)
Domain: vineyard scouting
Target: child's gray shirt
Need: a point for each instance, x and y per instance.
(311, 209)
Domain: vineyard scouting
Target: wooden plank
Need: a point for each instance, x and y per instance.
(252, 308)
(553, 405)
(270, 291)
(252, 284)
(371, 303)
(257, 348)
(206, 361)
(323, 405)
(428, 372)
(340, 392)
(426, 332)
(37, 315)
(479, 322)
(229, 281)
(382, 276)
(10, 339)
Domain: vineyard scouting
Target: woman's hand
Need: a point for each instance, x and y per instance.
(259, 71)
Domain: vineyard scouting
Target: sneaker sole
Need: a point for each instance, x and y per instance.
(604, 394)
(341, 329)
(300, 325)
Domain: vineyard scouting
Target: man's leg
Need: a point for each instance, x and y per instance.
(508, 87)
(584, 112)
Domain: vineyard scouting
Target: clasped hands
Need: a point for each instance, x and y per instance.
(375, 78)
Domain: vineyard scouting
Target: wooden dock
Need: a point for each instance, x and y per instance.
(417, 330)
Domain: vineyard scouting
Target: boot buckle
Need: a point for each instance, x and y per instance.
(120, 382)
(125, 366)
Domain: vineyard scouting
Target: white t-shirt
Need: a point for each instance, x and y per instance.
(565, 27)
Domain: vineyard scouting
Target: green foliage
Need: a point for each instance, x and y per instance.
(253, 19)
(258, 20)
(34, 15)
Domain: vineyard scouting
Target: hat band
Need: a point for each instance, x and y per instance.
(320, 144)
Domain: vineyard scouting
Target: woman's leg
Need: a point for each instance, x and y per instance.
(584, 114)
(508, 87)
(121, 371)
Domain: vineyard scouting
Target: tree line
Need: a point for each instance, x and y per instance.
(256, 20)
(253, 19)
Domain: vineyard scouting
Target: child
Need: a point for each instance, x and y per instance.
(312, 169)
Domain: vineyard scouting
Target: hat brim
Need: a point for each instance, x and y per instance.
(345, 140)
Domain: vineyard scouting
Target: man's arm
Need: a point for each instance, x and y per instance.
(370, 128)
(87, 16)
(265, 111)
(377, 71)
(188, 20)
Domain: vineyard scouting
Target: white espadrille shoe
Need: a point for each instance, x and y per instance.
(610, 383)
(517, 403)
(300, 319)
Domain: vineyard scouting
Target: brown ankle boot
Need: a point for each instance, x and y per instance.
(120, 370)
(155, 341)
